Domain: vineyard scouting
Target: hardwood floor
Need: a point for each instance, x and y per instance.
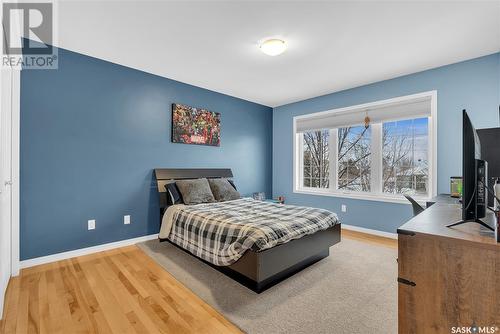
(117, 291)
(370, 238)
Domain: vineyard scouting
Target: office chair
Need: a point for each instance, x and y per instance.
(417, 208)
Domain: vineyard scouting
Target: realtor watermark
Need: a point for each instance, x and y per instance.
(474, 329)
(29, 34)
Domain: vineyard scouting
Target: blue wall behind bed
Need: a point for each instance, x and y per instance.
(91, 134)
(473, 85)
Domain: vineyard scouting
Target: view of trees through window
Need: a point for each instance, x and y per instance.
(404, 149)
(316, 159)
(354, 147)
(405, 156)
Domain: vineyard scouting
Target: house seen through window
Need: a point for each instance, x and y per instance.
(385, 151)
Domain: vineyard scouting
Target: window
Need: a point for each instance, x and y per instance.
(405, 157)
(354, 153)
(338, 154)
(316, 166)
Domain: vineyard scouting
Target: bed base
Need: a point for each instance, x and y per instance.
(256, 270)
(259, 271)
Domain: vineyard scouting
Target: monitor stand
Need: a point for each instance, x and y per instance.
(478, 221)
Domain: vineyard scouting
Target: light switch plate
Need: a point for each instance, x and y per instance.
(91, 224)
(126, 219)
(344, 208)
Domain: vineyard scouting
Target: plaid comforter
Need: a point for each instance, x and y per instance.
(221, 233)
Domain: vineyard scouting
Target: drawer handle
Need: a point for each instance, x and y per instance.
(407, 282)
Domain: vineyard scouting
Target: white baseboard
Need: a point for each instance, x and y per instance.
(370, 231)
(84, 251)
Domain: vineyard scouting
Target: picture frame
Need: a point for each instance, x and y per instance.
(195, 126)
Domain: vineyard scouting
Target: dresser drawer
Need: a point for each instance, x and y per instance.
(445, 283)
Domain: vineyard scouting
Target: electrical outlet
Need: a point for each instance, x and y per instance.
(344, 208)
(126, 219)
(91, 224)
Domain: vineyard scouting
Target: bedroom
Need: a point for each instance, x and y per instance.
(304, 106)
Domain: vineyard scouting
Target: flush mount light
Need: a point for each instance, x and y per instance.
(273, 47)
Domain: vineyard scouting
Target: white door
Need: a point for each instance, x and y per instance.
(5, 181)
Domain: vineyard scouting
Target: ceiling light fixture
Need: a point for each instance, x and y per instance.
(273, 47)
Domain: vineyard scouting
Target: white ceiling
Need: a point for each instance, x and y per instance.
(332, 45)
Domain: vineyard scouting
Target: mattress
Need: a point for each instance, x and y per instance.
(222, 232)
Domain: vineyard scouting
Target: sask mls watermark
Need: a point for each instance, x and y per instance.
(28, 35)
(474, 330)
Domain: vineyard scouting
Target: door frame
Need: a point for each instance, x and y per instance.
(10, 123)
(15, 113)
(15, 170)
(15, 151)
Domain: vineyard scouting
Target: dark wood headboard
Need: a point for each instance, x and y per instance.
(167, 175)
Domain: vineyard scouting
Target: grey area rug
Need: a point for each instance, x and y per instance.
(354, 290)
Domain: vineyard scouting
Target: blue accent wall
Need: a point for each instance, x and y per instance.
(473, 85)
(91, 134)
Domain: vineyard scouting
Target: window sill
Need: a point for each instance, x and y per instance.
(363, 196)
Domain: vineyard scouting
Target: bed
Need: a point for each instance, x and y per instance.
(283, 256)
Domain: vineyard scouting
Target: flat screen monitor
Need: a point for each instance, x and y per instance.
(475, 177)
(471, 150)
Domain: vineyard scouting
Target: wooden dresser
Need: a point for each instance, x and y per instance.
(448, 277)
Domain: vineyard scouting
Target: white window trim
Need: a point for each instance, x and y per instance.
(372, 196)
